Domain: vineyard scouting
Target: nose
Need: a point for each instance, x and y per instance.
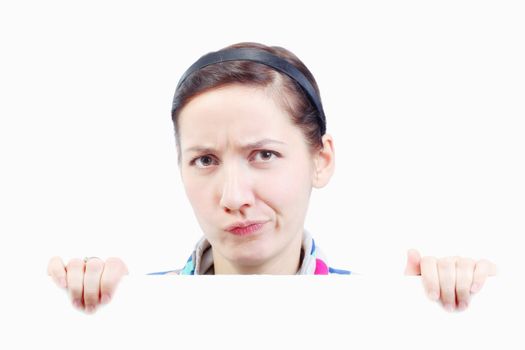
(236, 189)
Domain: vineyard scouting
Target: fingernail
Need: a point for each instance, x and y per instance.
(77, 304)
(475, 288)
(90, 309)
(105, 299)
(449, 307)
(62, 282)
(462, 306)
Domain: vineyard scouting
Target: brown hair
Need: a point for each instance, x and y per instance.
(292, 97)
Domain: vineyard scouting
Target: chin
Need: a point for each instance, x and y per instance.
(254, 256)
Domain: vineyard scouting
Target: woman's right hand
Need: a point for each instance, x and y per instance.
(89, 284)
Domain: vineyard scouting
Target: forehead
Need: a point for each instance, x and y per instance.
(237, 114)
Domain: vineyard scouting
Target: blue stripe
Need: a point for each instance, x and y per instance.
(340, 272)
(313, 247)
(159, 273)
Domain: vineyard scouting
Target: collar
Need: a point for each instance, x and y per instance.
(201, 260)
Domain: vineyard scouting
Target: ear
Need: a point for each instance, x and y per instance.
(324, 163)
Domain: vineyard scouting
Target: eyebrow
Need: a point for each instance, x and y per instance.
(248, 146)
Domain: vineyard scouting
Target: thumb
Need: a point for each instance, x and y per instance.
(413, 260)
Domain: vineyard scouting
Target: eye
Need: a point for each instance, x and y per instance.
(207, 159)
(267, 155)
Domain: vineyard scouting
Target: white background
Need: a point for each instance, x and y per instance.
(425, 102)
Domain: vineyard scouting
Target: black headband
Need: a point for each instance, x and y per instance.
(264, 57)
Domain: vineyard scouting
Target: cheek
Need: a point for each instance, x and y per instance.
(287, 190)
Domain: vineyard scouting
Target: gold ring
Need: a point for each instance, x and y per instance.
(91, 257)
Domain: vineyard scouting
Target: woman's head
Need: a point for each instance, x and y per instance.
(219, 111)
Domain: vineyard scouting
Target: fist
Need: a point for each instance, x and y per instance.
(88, 284)
(451, 280)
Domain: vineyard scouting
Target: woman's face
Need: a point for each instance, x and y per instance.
(231, 181)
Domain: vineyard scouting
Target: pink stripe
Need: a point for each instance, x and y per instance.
(320, 267)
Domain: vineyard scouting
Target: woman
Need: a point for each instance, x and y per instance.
(251, 145)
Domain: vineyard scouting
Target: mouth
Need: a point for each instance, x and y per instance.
(247, 230)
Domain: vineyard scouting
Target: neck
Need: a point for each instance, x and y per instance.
(287, 262)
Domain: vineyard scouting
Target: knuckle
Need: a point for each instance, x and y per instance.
(483, 263)
(465, 262)
(445, 263)
(94, 264)
(116, 264)
(75, 262)
(52, 265)
(53, 272)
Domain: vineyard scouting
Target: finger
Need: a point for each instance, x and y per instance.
(57, 271)
(430, 276)
(464, 277)
(483, 269)
(75, 281)
(114, 269)
(413, 259)
(94, 268)
(447, 282)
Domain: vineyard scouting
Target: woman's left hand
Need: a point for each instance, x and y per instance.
(452, 280)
